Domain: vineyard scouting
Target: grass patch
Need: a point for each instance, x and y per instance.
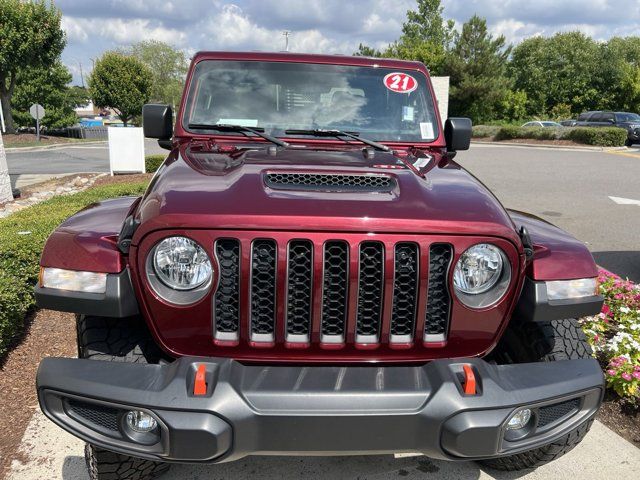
(22, 238)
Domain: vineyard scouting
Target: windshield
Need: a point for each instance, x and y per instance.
(628, 117)
(378, 103)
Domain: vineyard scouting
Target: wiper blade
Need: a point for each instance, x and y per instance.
(223, 127)
(319, 132)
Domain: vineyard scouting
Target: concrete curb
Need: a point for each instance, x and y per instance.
(55, 145)
(560, 147)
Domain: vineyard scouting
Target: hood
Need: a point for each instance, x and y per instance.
(421, 193)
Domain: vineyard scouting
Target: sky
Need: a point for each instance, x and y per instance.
(316, 26)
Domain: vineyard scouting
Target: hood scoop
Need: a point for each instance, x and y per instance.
(330, 182)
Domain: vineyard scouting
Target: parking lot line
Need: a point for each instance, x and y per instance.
(624, 154)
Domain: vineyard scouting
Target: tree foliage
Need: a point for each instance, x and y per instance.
(30, 37)
(122, 83)
(48, 87)
(477, 66)
(168, 66)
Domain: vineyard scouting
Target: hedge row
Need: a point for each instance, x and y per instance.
(153, 162)
(22, 237)
(602, 137)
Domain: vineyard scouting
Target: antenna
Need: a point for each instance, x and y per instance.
(286, 34)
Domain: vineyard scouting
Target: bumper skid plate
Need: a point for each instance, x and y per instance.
(242, 410)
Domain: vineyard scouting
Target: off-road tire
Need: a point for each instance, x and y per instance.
(542, 342)
(117, 340)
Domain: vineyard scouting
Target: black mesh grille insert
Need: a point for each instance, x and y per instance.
(370, 288)
(551, 413)
(299, 281)
(227, 298)
(405, 289)
(438, 298)
(93, 414)
(335, 287)
(335, 182)
(263, 286)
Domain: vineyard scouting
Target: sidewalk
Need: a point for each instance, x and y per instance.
(50, 453)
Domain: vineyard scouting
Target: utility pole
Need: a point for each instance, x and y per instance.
(6, 194)
(286, 34)
(81, 75)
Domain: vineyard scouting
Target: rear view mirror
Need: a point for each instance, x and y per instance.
(457, 134)
(157, 122)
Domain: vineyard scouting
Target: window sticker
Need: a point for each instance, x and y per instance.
(400, 82)
(426, 130)
(407, 114)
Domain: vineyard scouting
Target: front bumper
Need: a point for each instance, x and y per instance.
(319, 410)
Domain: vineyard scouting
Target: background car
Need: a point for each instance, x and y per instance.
(543, 124)
(627, 120)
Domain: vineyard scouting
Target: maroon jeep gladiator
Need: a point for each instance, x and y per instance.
(311, 273)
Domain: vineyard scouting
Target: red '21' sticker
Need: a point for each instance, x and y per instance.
(400, 82)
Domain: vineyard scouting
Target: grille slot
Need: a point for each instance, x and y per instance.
(438, 297)
(95, 415)
(405, 292)
(551, 413)
(227, 297)
(263, 290)
(299, 289)
(370, 292)
(335, 290)
(330, 182)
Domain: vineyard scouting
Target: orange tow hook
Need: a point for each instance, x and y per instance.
(469, 386)
(200, 383)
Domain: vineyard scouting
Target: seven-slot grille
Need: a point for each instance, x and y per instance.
(318, 280)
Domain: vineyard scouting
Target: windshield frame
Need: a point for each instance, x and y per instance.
(182, 129)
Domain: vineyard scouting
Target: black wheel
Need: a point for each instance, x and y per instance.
(117, 340)
(542, 342)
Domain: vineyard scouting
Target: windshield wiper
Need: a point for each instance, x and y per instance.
(222, 127)
(319, 132)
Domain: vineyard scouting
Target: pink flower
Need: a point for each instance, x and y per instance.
(611, 372)
(636, 374)
(618, 296)
(626, 376)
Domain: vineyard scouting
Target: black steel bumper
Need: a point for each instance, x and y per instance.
(319, 410)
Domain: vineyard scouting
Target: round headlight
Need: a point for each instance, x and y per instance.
(481, 276)
(181, 264)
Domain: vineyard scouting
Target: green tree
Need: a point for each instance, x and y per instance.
(367, 51)
(560, 69)
(168, 66)
(48, 87)
(477, 66)
(122, 83)
(426, 36)
(619, 79)
(30, 36)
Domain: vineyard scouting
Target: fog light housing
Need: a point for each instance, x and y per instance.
(140, 422)
(519, 419)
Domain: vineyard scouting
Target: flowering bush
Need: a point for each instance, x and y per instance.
(614, 334)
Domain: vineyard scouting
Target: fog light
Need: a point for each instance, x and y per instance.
(519, 419)
(141, 422)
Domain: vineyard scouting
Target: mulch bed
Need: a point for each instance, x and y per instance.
(621, 417)
(49, 334)
(29, 139)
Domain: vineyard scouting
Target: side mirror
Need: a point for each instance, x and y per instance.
(157, 122)
(457, 134)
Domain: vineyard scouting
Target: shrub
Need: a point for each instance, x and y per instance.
(153, 162)
(510, 132)
(484, 131)
(614, 335)
(22, 237)
(603, 137)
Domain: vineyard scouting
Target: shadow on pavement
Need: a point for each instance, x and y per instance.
(361, 467)
(626, 264)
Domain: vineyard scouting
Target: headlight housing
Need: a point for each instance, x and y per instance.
(179, 270)
(481, 275)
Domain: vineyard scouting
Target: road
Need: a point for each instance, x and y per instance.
(570, 188)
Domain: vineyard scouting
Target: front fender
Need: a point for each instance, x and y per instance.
(557, 254)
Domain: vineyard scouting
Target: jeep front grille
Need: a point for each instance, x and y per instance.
(292, 279)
